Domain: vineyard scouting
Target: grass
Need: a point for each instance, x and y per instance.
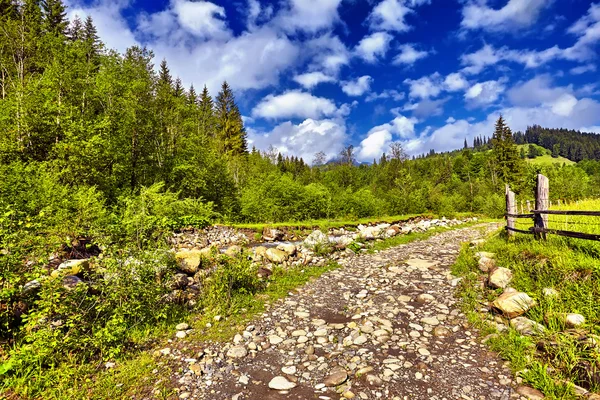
(550, 362)
(546, 159)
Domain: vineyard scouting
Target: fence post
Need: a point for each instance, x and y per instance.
(511, 208)
(542, 196)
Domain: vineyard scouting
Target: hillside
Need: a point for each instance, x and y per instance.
(545, 156)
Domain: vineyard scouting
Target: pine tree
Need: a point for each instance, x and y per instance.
(75, 31)
(55, 17)
(206, 121)
(465, 146)
(192, 96)
(178, 88)
(505, 153)
(229, 125)
(164, 74)
(91, 39)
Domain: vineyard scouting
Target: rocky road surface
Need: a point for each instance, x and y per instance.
(385, 326)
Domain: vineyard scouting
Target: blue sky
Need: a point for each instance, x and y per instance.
(318, 75)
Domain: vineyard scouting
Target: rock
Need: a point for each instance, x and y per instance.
(272, 234)
(513, 304)
(264, 272)
(32, 286)
(289, 370)
(179, 281)
(485, 264)
(180, 334)
(280, 383)
(237, 352)
(530, 393)
(336, 377)
(260, 251)
(315, 239)
(486, 254)
(233, 251)
(274, 339)
(425, 298)
(441, 331)
(573, 320)
(499, 278)
(525, 326)
(71, 281)
(276, 256)
(182, 327)
(433, 321)
(189, 261)
(550, 292)
(287, 248)
(74, 267)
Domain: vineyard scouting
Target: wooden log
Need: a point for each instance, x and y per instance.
(542, 199)
(511, 208)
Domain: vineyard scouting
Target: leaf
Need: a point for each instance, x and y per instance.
(5, 367)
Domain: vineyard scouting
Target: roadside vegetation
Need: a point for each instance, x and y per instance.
(563, 276)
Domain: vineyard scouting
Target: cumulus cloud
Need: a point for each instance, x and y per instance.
(455, 82)
(357, 87)
(425, 87)
(308, 15)
(373, 47)
(386, 94)
(515, 14)
(389, 15)
(409, 55)
(326, 53)
(304, 139)
(380, 137)
(582, 69)
(294, 104)
(312, 79)
(484, 93)
(425, 108)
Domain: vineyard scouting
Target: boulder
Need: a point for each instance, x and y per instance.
(287, 248)
(280, 383)
(336, 377)
(272, 234)
(233, 251)
(32, 286)
(530, 393)
(71, 281)
(486, 264)
(188, 261)
(74, 267)
(317, 238)
(572, 320)
(513, 303)
(259, 251)
(525, 326)
(276, 256)
(499, 278)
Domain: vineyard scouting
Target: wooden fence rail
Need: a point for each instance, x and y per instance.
(540, 214)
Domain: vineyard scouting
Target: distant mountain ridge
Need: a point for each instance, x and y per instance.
(572, 144)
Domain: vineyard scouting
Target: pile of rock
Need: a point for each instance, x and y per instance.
(512, 303)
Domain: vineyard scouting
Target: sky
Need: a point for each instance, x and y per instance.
(319, 75)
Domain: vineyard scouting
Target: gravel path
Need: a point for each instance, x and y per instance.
(385, 326)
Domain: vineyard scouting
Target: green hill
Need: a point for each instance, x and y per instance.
(543, 157)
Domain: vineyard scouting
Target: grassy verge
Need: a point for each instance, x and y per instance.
(555, 360)
(411, 237)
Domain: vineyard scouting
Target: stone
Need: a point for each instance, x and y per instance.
(425, 298)
(276, 256)
(291, 370)
(336, 377)
(32, 286)
(485, 264)
(572, 320)
(530, 393)
(315, 239)
(550, 292)
(287, 248)
(237, 352)
(281, 383)
(188, 261)
(180, 334)
(71, 281)
(182, 327)
(513, 304)
(441, 331)
(487, 254)
(260, 251)
(433, 321)
(272, 234)
(499, 278)
(74, 267)
(274, 339)
(525, 326)
(233, 251)
(420, 263)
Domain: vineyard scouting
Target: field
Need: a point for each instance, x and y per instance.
(558, 358)
(546, 159)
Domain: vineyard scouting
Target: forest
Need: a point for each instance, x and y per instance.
(107, 149)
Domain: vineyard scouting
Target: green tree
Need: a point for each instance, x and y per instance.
(556, 150)
(55, 17)
(230, 130)
(76, 29)
(504, 150)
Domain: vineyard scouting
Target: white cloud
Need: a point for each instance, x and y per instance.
(425, 87)
(488, 55)
(202, 18)
(484, 93)
(326, 53)
(386, 94)
(294, 104)
(426, 107)
(409, 55)
(308, 15)
(380, 137)
(582, 69)
(536, 91)
(311, 79)
(304, 139)
(514, 15)
(357, 87)
(389, 15)
(455, 82)
(373, 47)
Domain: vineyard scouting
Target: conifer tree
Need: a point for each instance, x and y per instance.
(206, 121)
(192, 96)
(505, 153)
(229, 125)
(178, 88)
(55, 17)
(91, 39)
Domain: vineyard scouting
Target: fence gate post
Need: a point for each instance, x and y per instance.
(542, 196)
(511, 208)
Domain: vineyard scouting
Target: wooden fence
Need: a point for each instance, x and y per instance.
(540, 215)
